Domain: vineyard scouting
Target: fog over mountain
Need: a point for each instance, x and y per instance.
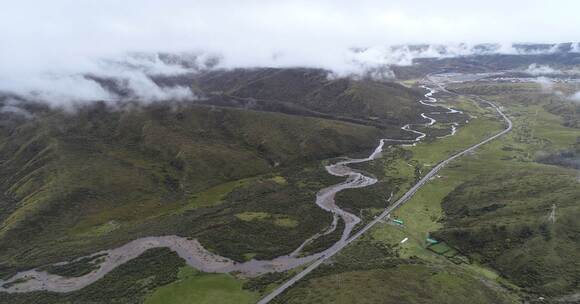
(48, 51)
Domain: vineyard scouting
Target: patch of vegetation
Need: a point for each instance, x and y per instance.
(565, 158)
(214, 195)
(192, 286)
(276, 219)
(405, 283)
(100, 230)
(283, 221)
(568, 110)
(251, 216)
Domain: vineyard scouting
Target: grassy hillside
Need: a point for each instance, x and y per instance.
(243, 182)
(489, 211)
(372, 272)
(381, 267)
(500, 214)
(502, 220)
(99, 177)
(484, 63)
(365, 101)
(238, 170)
(570, 112)
(493, 206)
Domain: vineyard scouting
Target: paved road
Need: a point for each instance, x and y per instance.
(390, 209)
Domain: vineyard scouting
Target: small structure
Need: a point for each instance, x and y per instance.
(552, 216)
(398, 222)
(431, 241)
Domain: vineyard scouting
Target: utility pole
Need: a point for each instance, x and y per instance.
(338, 283)
(552, 216)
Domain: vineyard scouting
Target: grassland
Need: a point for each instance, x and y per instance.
(371, 272)
(195, 287)
(410, 271)
(489, 211)
(276, 219)
(508, 162)
(498, 211)
(503, 187)
(400, 284)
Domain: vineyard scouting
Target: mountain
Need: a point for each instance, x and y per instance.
(101, 175)
(493, 62)
(238, 163)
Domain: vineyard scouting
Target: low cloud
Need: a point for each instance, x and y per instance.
(12, 107)
(130, 73)
(103, 78)
(575, 97)
(58, 50)
(546, 84)
(536, 69)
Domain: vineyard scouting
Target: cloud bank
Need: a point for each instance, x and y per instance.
(48, 47)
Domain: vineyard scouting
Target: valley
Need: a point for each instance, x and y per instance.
(289, 152)
(198, 257)
(459, 148)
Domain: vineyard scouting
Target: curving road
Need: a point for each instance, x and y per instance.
(394, 206)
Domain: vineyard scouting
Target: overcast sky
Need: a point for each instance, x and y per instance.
(66, 35)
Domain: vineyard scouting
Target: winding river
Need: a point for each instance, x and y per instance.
(198, 257)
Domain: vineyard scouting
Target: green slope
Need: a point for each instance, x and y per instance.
(365, 100)
(195, 287)
(100, 177)
(502, 220)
